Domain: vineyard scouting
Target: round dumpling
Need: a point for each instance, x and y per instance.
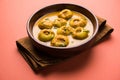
(60, 41)
(46, 35)
(65, 14)
(65, 30)
(78, 22)
(80, 33)
(59, 22)
(45, 24)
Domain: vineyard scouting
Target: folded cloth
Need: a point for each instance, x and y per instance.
(38, 60)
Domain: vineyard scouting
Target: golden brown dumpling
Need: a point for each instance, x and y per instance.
(59, 22)
(65, 30)
(46, 35)
(60, 41)
(45, 24)
(80, 33)
(65, 14)
(78, 22)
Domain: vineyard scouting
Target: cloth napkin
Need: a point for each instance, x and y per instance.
(38, 60)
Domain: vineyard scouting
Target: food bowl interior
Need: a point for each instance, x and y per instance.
(59, 7)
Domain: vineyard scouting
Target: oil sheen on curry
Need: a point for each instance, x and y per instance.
(65, 28)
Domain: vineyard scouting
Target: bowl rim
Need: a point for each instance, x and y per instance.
(89, 39)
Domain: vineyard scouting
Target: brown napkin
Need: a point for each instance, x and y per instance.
(38, 60)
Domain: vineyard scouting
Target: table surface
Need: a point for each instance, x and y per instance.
(101, 63)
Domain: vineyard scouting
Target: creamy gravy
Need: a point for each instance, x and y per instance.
(72, 42)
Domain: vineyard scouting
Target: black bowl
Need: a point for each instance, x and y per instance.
(64, 51)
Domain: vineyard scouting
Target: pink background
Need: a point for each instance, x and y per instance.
(102, 63)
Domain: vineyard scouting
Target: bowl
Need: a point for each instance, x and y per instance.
(62, 51)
